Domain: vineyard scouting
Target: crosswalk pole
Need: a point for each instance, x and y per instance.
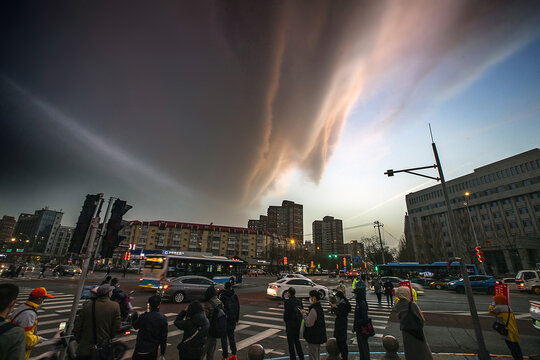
(69, 329)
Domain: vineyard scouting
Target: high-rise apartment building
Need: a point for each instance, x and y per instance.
(7, 225)
(60, 245)
(328, 236)
(35, 233)
(286, 220)
(501, 213)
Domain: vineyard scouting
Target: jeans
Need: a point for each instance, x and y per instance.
(363, 347)
(343, 348)
(209, 348)
(379, 297)
(230, 336)
(515, 349)
(314, 351)
(293, 339)
(390, 299)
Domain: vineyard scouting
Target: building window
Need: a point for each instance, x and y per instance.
(512, 186)
(493, 203)
(523, 211)
(513, 170)
(482, 206)
(500, 188)
(527, 182)
(527, 223)
(474, 218)
(506, 202)
(509, 212)
(485, 217)
(520, 198)
(499, 227)
(535, 195)
(513, 225)
(488, 228)
(496, 214)
(537, 208)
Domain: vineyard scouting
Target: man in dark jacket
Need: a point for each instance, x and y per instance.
(341, 308)
(12, 337)
(231, 306)
(360, 320)
(212, 305)
(315, 327)
(388, 291)
(293, 320)
(153, 329)
(195, 326)
(106, 315)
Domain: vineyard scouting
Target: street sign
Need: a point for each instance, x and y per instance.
(357, 259)
(502, 289)
(407, 283)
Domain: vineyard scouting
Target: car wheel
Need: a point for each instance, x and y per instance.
(438, 287)
(536, 290)
(322, 294)
(179, 297)
(491, 290)
(460, 289)
(285, 295)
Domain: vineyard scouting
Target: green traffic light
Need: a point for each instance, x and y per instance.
(335, 256)
(376, 268)
(329, 256)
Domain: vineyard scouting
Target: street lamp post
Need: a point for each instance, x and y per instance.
(482, 266)
(483, 353)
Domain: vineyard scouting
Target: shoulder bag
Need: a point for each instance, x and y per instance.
(367, 329)
(104, 352)
(412, 324)
(500, 327)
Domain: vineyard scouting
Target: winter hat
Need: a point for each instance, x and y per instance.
(403, 293)
(500, 299)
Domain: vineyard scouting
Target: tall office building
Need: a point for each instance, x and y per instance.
(35, 233)
(7, 225)
(328, 236)
(501, 214)
(286, 220)
(60, 245)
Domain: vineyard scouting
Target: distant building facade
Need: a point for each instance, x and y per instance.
(7, 226)
(328, 236)
(356, 248)
(35, 233)
(286, 220)
(503, 207)
(60, 245)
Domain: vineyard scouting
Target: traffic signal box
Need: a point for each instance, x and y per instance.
(479, 253)
(83, 223)
(111, 240)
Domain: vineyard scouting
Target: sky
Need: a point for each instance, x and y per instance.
(212, 111)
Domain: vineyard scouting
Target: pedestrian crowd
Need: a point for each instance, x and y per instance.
(99, 322)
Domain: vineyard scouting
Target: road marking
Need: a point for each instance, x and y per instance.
(379, 327)
(379, 321)
(241, 327)
(263, 317)
(523, 316)
(51, 321)
(46, 316)
(263, 325)
(255, 338)
(170, 314)
(378, 316)
(269, 313)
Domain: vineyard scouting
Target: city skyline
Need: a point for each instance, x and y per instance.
(190, 118)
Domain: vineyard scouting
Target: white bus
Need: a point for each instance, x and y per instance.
(158, 268)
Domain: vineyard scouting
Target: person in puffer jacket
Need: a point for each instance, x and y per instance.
(195, 326)
(26, 317)
(231, 306)
(500, 309)
(212, 304)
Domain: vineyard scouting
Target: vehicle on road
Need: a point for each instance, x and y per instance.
(324, 272)
(416, 272)
(395, 281)
(185, 288)
(439, 284)
(332, 274)
(64, 270)
(484, 283)
(342, 274)
(258, 272)
(528, 280)
(302, 286)
(534, 311)
(160, 268)
(511, 282)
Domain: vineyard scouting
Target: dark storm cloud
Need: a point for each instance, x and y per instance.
(216, 101)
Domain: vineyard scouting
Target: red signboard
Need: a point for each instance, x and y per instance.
(502, 289)
(407, 283)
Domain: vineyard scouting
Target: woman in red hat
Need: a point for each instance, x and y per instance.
(501, 310)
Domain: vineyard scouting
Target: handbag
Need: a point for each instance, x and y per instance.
(500, 327)
(412, 324)
(367, 329)
(104, 352)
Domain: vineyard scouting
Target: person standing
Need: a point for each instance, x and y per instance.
(360, 320)
(101, 315)
(12, 337)
(388, 291)
(42, 271)
(153, 329)
(359, 287)
(293, 321)
(18, 271)
(341, 308)
(26, 317)
(341, 287)
(124, 271)
(195, 325)
(213, 305)
(107, 280)
(315, 327)
(414, 341)
(504, 315)
(378, 289)
(108, 270)
(231, 306)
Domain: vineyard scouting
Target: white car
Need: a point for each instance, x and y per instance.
(302, 286)
(294, 276)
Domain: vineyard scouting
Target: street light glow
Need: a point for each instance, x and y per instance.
(467, 193)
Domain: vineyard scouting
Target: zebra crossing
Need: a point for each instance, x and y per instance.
(264, 325)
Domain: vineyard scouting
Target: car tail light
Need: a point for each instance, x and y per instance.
(166, 286)
(140, 279)
(275, 286)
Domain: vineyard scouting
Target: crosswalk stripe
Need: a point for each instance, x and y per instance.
(47, 316)
(263, 325)
(263, 317)
(253, 339)
(269, 313)
(50, 321)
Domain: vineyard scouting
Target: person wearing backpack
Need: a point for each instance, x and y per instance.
(26, 317)
(315, 327)
(152, 334)
(341, 308)
(218, 322)
(231, 306)
(12, 337)
(195, 326)
(293, 321)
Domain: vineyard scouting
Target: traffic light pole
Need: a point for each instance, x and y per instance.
(75, 306)
(102, 233)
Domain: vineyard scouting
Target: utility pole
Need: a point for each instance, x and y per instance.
(483, 353)
(482, 266)
(379, 225)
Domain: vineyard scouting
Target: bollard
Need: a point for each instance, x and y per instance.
(332, 349)
(256, 352)
(391, 345)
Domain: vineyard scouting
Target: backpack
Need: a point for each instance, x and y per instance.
(218, 323)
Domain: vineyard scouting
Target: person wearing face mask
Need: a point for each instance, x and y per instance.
(341, 308)
(315, 327)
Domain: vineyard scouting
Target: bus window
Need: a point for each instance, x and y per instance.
(154, 263)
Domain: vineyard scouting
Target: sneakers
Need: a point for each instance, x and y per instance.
(232, 357)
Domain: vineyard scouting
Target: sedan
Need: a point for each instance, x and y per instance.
(302, 286)
(395, 281)
(183, 288)
(478, 282)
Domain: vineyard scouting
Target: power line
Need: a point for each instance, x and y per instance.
(349, 228)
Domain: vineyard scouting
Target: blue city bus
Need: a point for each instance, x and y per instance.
(417, 271)
(162, 267)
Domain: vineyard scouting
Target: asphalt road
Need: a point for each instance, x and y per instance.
(448, 325)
